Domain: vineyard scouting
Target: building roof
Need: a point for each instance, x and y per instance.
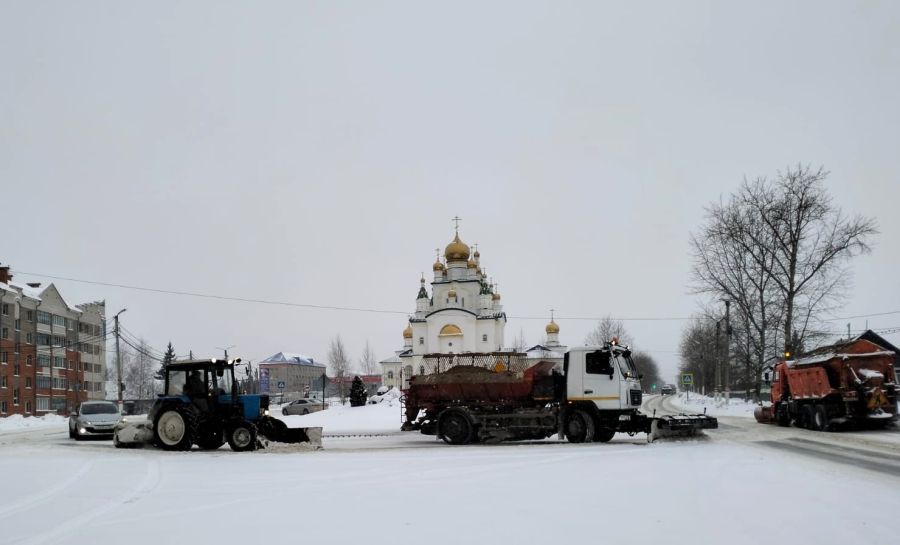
(292, 358)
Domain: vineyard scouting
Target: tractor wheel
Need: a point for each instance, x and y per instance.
(242, 436)
(807, 417)
(174, 429)
(579, 427)
(820, 419)
(455, 428)
(210, 435)
(603, 435)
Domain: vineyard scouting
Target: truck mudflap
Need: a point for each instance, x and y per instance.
(680, 425)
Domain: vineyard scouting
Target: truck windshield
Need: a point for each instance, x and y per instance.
(626, 365)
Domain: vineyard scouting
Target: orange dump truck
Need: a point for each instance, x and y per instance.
(849, 383)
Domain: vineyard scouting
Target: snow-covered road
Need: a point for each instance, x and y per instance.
(409, 488)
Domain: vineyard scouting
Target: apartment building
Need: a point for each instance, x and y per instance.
(52, 354)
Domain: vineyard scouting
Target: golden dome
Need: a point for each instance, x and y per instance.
(438, 266)
(456, 250)
(449, 330)
(477, 254)
(407, 333)
(471, 264)
(496, 297)
(551, 328)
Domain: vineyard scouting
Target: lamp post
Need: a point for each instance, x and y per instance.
(119, 358)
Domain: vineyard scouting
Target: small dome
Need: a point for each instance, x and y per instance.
(496, 297)
(456, 250)
(407, 333)
(551, 328)
(471, 264)
(477, 254)
(450, 329)
(438, 266)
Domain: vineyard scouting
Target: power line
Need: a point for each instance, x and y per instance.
(384, 311)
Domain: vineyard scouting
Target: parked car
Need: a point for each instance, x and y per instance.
(302, 406)
(94, 419)
(668, 389)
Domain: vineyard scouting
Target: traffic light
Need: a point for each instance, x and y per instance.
(653, 386)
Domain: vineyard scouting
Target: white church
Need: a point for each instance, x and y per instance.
(463, 315)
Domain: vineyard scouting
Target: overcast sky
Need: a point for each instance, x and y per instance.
(315, 152)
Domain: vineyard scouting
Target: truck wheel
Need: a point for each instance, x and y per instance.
(807, 417)
(174, 429)
(820, 418)
(603, 435)
(579, 427)
(455, 428)
(242, 436)
(782, 416)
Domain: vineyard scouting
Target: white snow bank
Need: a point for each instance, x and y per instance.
(869, 373)
(382, 417)
(697, 403)
(390, 396)
(18, 422)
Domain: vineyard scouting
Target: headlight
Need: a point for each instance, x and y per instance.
(266, 412)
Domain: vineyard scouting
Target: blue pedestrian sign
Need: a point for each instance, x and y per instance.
(687, 379)
(281, 385)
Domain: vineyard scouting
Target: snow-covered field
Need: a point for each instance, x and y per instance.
(409, 488)
(696, 403)
(17, 422)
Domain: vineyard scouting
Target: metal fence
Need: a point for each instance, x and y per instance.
(494, 361)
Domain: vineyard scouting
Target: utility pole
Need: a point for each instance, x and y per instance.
(226, 350)
(727, 351)
(716, 363)
(119, 359)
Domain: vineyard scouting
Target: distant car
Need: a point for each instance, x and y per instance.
(302, 406)
(668, 389)
(94, 419)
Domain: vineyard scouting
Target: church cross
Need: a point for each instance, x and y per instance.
(551, 314)
(457, 219)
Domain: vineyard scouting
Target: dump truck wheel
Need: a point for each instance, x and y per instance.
(807, 417)
(242, 436)
(174, 429)
(579, 427)
(782, 417)
(603, 435)
(820, 419)
(455, 428)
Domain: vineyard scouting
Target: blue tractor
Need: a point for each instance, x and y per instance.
(201, 406)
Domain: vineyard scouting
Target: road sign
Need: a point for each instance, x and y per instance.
(687, 379)
(281, 385)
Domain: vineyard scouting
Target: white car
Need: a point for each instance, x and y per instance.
(302, 406)
(94, 419)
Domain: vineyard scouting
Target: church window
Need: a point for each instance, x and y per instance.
(421, 369)
(484, 338)
(421, 340)
(390, 374)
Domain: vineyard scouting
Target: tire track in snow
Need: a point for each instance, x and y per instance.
(150, 481)
(45, 495)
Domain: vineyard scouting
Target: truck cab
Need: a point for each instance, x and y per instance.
(604, 376)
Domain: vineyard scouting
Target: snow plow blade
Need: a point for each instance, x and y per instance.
(277, 431)
(680, 425)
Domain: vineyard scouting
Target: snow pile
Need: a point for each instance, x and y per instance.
(343, 419)
(868, 373)
(19, 422)
(391, 397)
(714, 407)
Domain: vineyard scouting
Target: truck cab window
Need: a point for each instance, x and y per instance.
(597, 363)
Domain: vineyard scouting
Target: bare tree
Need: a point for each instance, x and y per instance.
(697, 351)
(812, 239)
(519, 343)
(340, 365)
(368, 362)
(777, 250)
(649, 370)
(606, 329)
